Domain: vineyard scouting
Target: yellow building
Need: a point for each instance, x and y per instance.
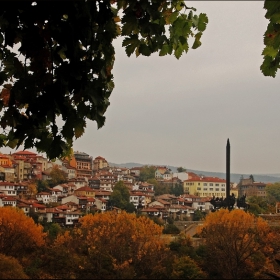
(99, 163)
(205, 186)
(85, 191)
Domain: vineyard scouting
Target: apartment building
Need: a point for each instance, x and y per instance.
(83, 163)
(99, 163)
(203, 186)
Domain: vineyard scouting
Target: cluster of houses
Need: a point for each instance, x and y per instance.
(90, 182)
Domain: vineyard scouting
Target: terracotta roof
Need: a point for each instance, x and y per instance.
(153, 209)
(137, 193)
(164, 202)
(99, 157)
(9, 198)
(43, 193)
(24, 153)
(206, 179)
(11, 184)
(56, 190)
(63, 207)
(85, 188)
(37, 205)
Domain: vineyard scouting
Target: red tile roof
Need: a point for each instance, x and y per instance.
(84, 189)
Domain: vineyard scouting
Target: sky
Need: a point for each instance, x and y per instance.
(166, 111)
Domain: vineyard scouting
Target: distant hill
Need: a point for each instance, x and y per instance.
(234, 177)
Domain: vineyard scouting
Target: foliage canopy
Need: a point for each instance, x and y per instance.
(19, 234)
(238, 244)
(62, 70)
(271, 52)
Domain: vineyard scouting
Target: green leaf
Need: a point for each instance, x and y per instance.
(133, 39)
(275, 18)
(270, 51)
(55, 148)
(129, 50)
(197, 42)
(45, 142)
(3, 140)
(79, 126)
(179, 50)
(178, 26)
(164, 50)
(144, 49)
(100, 120)
(202, 22)
(269, 67)
(173, 17)
(12, 143)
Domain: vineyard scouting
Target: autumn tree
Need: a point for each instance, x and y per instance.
(109, 245)
(53, 83)
(19, 235)
(63, 257)
(128, 246)
(186, 268)
(10, 268)
(58, 176)
(239, 245)
(31, 189)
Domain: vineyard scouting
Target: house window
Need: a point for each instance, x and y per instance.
(211, 184)
(217, 189)
(199, 189)
(211, 189)
(217, 185)
(205, 189)
(204, 184)
(223, 189)
(199, 184)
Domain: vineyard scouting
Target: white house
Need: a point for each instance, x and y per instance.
(137, 198)
(44, 197)
(8, 188)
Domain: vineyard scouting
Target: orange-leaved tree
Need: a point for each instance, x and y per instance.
(129, 246)
(19, 235)
(239, 245)
(10, 268)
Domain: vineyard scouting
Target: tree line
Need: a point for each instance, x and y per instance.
(235, 245)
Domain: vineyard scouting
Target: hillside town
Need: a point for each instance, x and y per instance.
(89, 183)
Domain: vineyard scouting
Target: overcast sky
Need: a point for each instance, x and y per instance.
(166, 111)
(181, 112)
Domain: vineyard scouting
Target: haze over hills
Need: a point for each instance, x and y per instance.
(234, 177)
